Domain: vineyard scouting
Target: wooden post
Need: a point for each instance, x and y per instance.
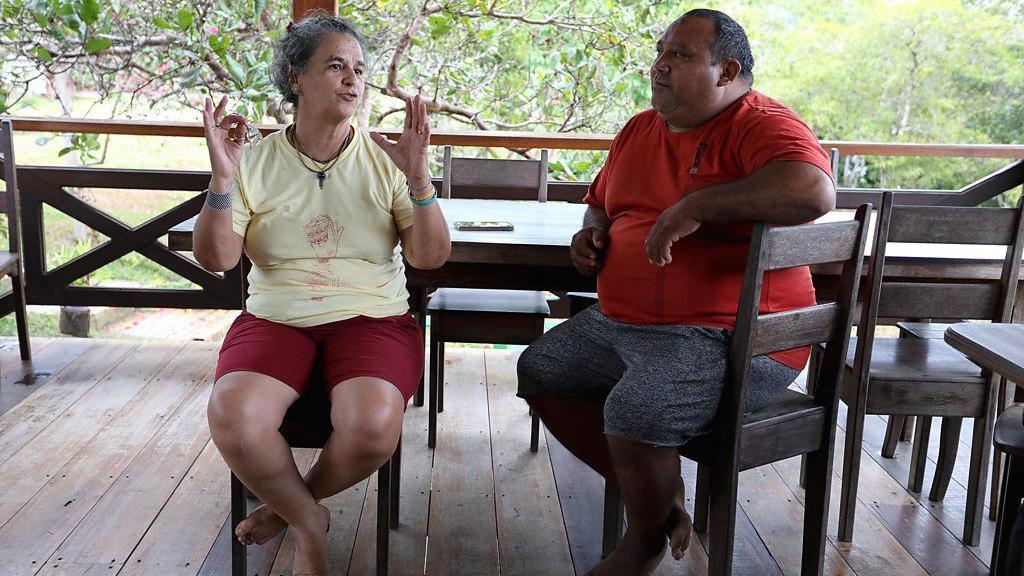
(300, 7)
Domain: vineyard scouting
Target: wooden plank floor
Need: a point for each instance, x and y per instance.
(106, 467)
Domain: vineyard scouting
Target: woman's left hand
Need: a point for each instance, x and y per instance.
(410, 152)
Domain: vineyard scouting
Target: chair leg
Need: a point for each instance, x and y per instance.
(908, 429)
(238, 513)
(813, 366)
(981, 443)
(614, 515)
(440, 376)
(851, 468)
(1009, 505)
(421, 319)
(701, 499)
(919, 457)
(383, 516)
(21, 317)
(948, 444)
(893, 434)
(417, 399)
(1002, 401)
(819, 485)
(395, 489)
(432, 394)
(999, 470)
(534, 431)
(723, 518)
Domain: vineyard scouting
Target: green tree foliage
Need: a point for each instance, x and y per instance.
(906, 71)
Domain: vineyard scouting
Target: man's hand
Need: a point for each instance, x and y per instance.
(587, 250)
(675, 223)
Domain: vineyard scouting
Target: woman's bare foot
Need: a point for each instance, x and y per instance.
(262, 525)
(311, 545)
(631, 558)
(679, 525)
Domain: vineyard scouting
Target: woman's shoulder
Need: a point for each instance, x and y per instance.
(367, 146)
(369, 152)
(271, 146)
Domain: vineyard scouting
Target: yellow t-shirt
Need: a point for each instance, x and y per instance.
(325, 255)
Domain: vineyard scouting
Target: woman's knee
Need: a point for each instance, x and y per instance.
(372, 435)
(368, 417)
(239, 409)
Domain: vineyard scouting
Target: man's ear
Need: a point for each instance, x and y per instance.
(731, 69)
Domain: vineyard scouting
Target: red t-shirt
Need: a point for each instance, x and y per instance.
(650, 168)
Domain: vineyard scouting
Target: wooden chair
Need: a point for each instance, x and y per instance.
(307, 424)
(920, 376)
(1009, 440)
(898, 428)
(10, 261)
(479, 315)
(796, 423)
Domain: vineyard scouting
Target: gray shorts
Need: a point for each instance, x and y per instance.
(660, 383)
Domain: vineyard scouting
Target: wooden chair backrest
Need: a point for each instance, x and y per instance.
(497, 173)
(981, 300)
(774, 248)
(9, 196)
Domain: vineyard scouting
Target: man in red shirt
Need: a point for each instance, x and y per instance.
(626, 382)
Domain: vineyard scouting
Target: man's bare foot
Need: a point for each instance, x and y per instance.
(262, 525)
(679, 525)
(631, 558)
(311, 545)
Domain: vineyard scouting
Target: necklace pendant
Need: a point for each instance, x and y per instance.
(321, 176)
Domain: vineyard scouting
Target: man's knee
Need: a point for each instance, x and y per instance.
(643, 419)
(534, 370)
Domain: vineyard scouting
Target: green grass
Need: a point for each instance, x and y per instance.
(39, 325)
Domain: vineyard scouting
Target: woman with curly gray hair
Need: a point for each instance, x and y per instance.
(326, 216)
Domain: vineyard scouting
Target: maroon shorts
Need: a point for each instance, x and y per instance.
(388, 348)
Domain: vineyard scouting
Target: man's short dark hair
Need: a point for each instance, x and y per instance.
(730, 40)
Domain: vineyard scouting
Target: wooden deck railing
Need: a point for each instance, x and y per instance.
(526, 140)
(41, 185)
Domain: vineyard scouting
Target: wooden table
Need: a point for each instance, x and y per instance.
(535, 256)
(997, 347)
(1000, 348)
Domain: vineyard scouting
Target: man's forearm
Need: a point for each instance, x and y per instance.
(595, 217)
(785, 193)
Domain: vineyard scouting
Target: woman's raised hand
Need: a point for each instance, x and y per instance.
(222, 139)
(410, 152)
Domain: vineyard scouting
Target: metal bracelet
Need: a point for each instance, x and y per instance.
(218, 201)
(419, 191)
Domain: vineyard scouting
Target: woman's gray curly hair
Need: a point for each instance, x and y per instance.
(296, 46)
